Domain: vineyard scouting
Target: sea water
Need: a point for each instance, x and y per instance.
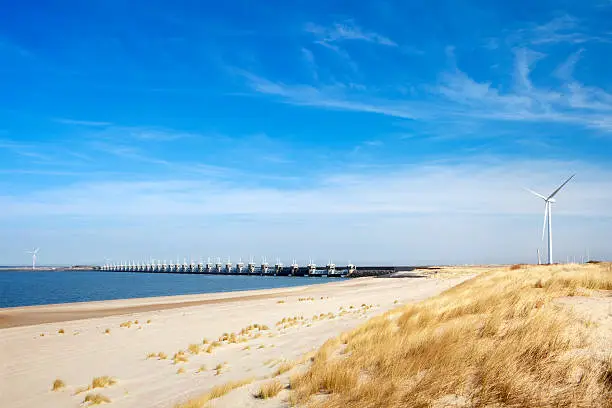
(25, 288)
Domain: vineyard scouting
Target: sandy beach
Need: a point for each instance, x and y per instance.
(93, 344)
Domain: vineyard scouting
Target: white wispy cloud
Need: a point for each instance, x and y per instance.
(331, 97)
(456, 94)
(340, 32)
(404, 214)
(477, 186)
(127, 152)
(565, 70)
(310, 63)
(82, 122)
(562, 29)
(346, 31)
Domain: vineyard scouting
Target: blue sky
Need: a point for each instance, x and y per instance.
(382, 131)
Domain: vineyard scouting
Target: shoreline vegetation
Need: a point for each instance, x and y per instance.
(506, 338)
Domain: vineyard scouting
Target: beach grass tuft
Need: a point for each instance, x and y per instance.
(219, 368)
(96, 399)
(60, 331)
(269, 390)
(58, 385)
(284, 367)
(180, 357)
(194, 348)
(103, 382)
(215, 392)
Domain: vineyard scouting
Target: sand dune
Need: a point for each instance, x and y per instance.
(34, 353)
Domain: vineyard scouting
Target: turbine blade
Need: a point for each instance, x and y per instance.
(560, 187)
(534, 193)
(545, 218)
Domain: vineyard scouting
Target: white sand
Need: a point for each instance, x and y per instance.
(30, 363)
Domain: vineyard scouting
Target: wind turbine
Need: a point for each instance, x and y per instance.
(548, 201)
(34, 252)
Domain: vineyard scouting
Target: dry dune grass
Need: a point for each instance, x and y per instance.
(194, 348)
(96, 399)
(180, 357)
(58, 385)
(269, 390)
(97, 382)
(215, 392)
(495, 340)
(161, 355)
(102, 382)
(284, 367)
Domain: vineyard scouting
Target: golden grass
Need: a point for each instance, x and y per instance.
(180, 357)
(96, 399)
(161, 355)
(107, 331)
(269, 390)
(135, 321)
(201, 369)
(280, 301)
(284, 367)
(149, 321)
(60, 331)
(180, 370)
(103, 382)
(287, 322)
(213, 346)
(215, 392)
(205, 341)
(194, 348)
(82, 389)
(127, 324)
(57, 385)
(220, 368)
(495, 340)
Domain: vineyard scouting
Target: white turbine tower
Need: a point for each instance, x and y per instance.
(34, 252)
(548, 201)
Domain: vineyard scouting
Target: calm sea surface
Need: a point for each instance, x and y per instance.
(18, 288)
